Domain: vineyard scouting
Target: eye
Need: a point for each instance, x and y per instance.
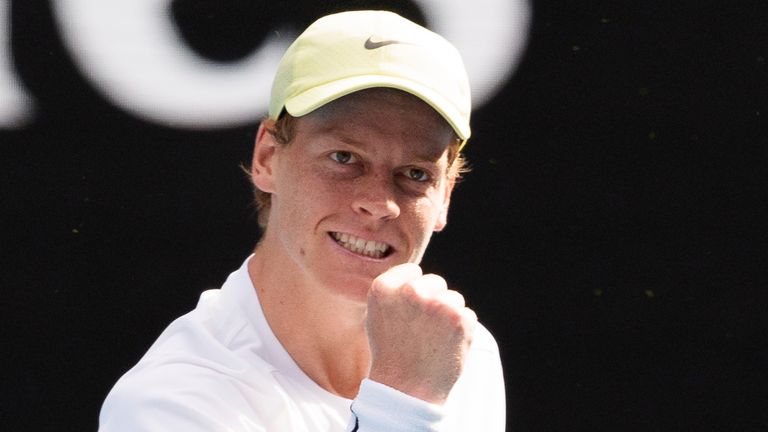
(418, 175)
(342, 157)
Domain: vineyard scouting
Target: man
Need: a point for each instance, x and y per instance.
(330, 324)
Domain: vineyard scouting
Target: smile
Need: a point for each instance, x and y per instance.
(369, 248)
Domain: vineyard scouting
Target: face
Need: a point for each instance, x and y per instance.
(361, 188)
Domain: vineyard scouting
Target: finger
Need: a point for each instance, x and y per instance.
(429, 285)
(469, 315)
(397, 276)
(453, 299)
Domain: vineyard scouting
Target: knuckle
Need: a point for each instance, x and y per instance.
(456, 298)
(397, 276)
(434, 281)
(427, 286)
(378, 286)
(383, 280)
(470, 317)
(410, 291)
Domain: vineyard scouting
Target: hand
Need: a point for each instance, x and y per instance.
(419, 332)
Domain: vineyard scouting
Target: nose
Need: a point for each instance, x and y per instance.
(375, 198)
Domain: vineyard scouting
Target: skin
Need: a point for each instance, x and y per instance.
(373, 165)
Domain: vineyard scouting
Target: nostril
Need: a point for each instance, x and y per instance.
(364, 211)
(377, 208)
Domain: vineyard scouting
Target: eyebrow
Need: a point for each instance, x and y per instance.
(429, 157)
(420, 156)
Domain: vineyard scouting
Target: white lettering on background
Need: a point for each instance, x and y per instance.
(130, 51)
(490, 34)
(16, 106)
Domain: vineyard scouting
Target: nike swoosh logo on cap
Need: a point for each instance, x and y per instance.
(371, 45)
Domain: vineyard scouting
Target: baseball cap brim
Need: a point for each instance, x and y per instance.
(315, 97)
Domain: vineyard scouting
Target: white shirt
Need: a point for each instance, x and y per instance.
(221, 368)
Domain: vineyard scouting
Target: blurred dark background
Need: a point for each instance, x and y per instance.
(612, 234)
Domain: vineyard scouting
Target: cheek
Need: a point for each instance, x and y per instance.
(295, 179)
(420, 224)
(308, 191)
(424, 215)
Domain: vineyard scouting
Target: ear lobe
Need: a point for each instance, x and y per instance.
(263, 159)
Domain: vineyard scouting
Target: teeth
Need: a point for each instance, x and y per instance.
(360, 246)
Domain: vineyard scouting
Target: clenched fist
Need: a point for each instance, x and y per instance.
(419, 332)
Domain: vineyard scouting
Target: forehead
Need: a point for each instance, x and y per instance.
(386, 112)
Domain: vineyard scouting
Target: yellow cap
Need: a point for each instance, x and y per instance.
(350, 51)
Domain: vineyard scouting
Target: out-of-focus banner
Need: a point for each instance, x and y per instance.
(132, 52)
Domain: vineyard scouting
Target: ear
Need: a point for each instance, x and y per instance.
(262, 172)
(442, 219)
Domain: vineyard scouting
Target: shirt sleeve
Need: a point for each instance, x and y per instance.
(378, 407)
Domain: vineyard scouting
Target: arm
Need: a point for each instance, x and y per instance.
(420, 333)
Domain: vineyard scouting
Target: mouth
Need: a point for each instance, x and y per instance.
(367, 248)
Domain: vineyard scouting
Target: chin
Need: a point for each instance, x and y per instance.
(352, 287)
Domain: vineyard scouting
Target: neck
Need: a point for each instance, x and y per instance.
(324, 334)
